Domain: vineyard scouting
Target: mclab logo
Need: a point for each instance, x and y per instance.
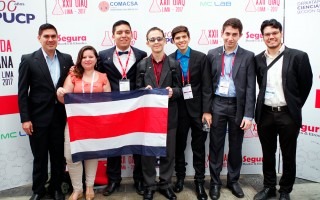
(8, 13)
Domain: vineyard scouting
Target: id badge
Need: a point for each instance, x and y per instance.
(124, 85)
(224, 87)
(270, 92)
(187, 92)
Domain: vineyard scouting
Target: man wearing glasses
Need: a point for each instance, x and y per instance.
(284, 77)
(160, 71)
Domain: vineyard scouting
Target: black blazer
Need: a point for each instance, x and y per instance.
(201, 85)
(106, 65)
(244, 78)
(170, 77)
(296, 81)
(36, 92)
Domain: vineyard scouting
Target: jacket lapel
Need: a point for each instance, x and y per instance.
(219, 61)
(285, 66)
(40, 60)
(150, 71)
(237, 62)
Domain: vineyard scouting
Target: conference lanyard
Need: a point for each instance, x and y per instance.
(124, 69)
(91, 86)
(188, 73)
(223, 65)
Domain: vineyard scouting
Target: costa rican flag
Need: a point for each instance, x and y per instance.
(117, 123)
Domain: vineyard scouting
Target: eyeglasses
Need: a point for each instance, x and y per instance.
(269, 34)
(159, 39)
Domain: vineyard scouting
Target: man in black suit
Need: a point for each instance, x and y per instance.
(234, 82)
(119, 62)
(194, 108)
(43, 118)
(160, 71)
(284, 77)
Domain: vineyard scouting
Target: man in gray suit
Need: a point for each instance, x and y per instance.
(233, 75)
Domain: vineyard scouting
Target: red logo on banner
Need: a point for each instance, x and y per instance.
(317, 99)
(8, 105)
(167, 6)
(209, 37)
(260, 6)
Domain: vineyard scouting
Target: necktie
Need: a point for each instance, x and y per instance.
(122, 52)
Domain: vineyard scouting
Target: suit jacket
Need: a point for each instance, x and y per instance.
(36, 92)
(244, 78)
(106, 65)
(201, 85)
(170, 77)
(296, 81)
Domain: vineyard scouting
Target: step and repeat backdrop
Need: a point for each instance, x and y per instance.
(89, 22)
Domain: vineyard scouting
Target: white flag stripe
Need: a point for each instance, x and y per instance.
(113, 107)
(137, 138)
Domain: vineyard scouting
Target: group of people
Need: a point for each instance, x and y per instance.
(217, 90)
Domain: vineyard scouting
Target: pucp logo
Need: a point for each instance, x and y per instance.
(8, 13)
(70, 7)
(253, 37)
(209, 37)
(304, 7)
(263, 6)
(167, 6)
(72, 40)
(105, 6)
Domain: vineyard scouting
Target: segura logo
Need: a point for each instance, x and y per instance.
(70, 7)
(209, 37)
(9, 13)
(304, 7)
(11, 135)
(252, 160)
(127, 5)
(263, 6)
(158, 6)
(215, 3)
(72, 40)
(253, 37)
(310, 130)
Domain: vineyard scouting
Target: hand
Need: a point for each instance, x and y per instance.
(61, 92)
(245, 124)
(207, 117)
(170, 91)
(27, 127)
(148, 87)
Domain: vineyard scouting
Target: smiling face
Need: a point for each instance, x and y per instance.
(156, 41)
(122, 36)
(88, 60)
(230, 38)
(48, 40)
(181, 40)
(272, 37)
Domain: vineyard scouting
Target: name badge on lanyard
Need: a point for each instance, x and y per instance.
(224, 86)
(187, 92)
(124, 85)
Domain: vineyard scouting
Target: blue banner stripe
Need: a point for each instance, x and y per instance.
(127, 150)
(109, 96)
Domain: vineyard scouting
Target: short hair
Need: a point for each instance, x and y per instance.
(154, 29)
(45, 27)
(78, 70)
(273, 23)
(118, 23)
(179, 29)
(234, 23)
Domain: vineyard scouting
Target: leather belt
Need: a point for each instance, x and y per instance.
(227, 99)
(276, 108)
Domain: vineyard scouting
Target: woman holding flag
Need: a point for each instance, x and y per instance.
(83, 79)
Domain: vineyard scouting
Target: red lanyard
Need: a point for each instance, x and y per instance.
(188, 73)
(124, 70)
(223, 64)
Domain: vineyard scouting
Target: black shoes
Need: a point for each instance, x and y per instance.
(178, 187)
(214, 192)
(236, 190)
(58, 195)
(36, 197)
(265, 194)
(201, 193)
(139, 187)
(111, 188)
(148, 194)
(168, 193)
(284, 196)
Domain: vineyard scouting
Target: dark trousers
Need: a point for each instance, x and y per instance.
(46, 140)
(224, 112)
(197, 144)
(271, 125)
(114, 169)
(166, 166)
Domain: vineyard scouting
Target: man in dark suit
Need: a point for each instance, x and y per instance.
(194, 108)
(43, 118)
(233, 74)
(284, 77)
(160, 71)
(119, 62)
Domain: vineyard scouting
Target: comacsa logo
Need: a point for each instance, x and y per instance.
(8, 14)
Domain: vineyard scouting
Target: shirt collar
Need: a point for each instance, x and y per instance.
(280, 51)
(180, 55)
(233, 52)
(128, 49)
(46, 55)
